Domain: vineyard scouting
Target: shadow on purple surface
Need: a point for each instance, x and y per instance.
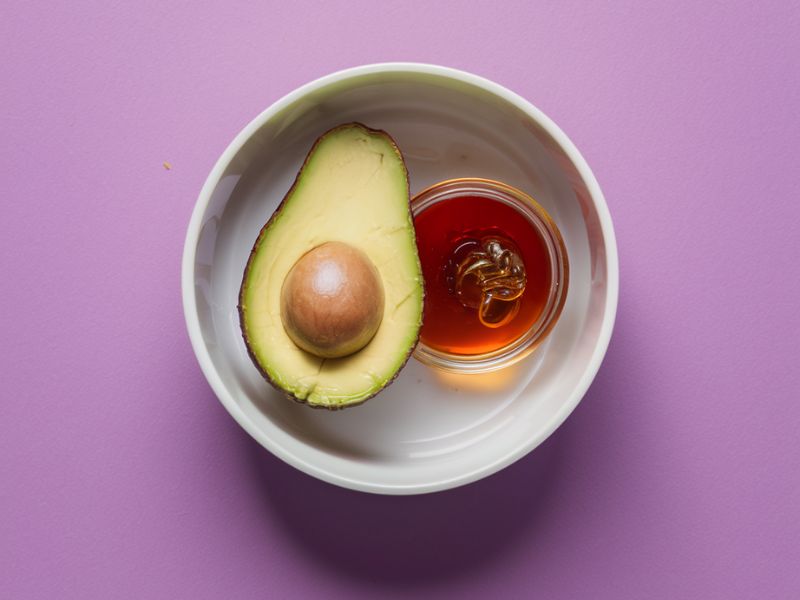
(399, 542)
(417, 540)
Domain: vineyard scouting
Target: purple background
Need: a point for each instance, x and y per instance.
(122, 476)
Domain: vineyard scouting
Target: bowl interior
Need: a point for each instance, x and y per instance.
(428, 430)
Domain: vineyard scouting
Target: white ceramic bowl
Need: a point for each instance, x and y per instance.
(429, 430)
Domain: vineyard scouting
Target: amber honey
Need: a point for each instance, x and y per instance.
(454, 231)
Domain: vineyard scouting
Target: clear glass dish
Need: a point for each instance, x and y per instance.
(546, 228)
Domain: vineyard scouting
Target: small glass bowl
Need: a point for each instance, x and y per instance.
(556, 251)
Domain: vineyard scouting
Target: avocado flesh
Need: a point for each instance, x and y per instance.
(352, 188)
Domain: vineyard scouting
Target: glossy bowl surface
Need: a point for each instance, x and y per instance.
(430, 430)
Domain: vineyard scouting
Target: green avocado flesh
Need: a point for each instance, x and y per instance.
(352, 188)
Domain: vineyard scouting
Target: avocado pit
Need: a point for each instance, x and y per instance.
(332, 300)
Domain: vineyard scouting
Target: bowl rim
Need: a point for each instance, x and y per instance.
(192, 318)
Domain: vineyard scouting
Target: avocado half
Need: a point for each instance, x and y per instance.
(352, 188)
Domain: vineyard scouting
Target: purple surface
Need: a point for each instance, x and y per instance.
(121, 475)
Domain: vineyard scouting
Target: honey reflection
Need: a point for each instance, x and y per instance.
(481, 383)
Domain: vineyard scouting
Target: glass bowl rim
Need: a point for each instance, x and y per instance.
(557, 252)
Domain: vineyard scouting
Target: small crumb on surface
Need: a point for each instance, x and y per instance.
(167, 165)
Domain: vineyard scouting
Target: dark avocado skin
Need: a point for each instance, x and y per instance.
(250, 351)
